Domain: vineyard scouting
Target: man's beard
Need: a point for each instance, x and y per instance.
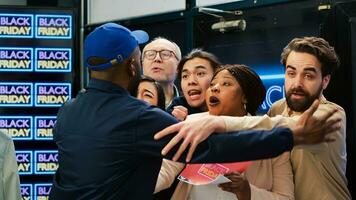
(301, 105)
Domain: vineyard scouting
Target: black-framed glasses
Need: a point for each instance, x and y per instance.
(163, 54)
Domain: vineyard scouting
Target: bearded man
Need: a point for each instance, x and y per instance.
(319, 170)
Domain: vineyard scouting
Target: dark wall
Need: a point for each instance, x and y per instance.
(268, 30)
(340, 30)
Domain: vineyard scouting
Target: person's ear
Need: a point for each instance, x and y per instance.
(244, 99)
(131, 68)
(326, 80)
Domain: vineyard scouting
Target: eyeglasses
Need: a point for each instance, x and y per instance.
(163, 54)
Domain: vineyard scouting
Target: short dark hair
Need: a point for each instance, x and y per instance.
(198, 53)
(316, 46)
(161, 103)
(250, 83)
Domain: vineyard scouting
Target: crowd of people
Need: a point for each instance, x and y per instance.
(130, 133)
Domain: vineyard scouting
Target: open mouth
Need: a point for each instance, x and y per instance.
(194, 94)
(213, 101)
(298, 94)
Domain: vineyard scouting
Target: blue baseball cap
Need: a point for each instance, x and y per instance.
(113, 43)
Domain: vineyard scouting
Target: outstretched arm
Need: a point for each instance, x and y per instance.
(309, 130)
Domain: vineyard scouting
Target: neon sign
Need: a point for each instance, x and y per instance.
(42, 191)
(272, 77)
(52, 94)
(13, 59)
(273, 94)
(53, 26)
(46, 162)
(17, 127)
(16, 25)
(26, 191)
(24, 162)
(53, 60)
(15, 94)
(36, 60)
(44, 127)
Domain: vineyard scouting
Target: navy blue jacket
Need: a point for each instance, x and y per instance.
(107, 151)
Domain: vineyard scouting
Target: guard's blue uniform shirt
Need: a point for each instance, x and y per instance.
(107, 151)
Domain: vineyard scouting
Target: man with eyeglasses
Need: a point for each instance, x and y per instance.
(160, 60)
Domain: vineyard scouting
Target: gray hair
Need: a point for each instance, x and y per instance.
(176, 48)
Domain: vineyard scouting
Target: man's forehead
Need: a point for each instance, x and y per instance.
(303, 68)
(160, 44)
(302, 62)
(192, 68)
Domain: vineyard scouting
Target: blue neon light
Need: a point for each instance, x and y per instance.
(37, 170)
(26, 191)
(48, 187)
(273, 80)
(14, 69)
(37, 85)
(272, 77)
(37, 137)
(39, 17)
(68, 69)
(30, 153)
(18, 117)
(17, 104)
(30, 35)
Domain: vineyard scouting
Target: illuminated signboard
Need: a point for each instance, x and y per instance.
(37, 58)
(24, 162)
(16, 59)
(16, 25)
(274, 85)
(52, 94)
(53, 26)
(44, 127)
(272, 76)
(42, 191)
(15, 94)
(17, 127)
(46, 162)
(53, 60)
(26, 191)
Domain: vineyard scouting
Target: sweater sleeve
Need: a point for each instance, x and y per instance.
(282, 181)
(258, 122)
(168, 172)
